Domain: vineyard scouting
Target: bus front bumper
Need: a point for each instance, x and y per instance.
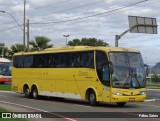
(137, 98)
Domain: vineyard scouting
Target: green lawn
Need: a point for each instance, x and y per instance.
(5, 87)
(13, 119)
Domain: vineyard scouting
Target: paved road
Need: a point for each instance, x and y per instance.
(58, 105)
(153, 93)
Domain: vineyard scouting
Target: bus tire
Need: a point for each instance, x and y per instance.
(26, 92)
(35, 93)
(2, 82)
(121, 104)
(92, 98)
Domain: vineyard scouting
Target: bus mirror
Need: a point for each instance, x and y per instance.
(111, 67)
(146, 69)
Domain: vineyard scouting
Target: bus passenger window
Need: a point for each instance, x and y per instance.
(76, 59)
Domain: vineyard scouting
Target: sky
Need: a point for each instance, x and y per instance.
(102, 19)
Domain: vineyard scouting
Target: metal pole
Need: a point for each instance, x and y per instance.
(66, 41)
(150, 75)
(27, 35)
(116, 40)
(24, 24)
(2, 51)
(66, 38)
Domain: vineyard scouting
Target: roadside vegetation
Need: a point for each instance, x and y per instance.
(41, 42)
(5, 87)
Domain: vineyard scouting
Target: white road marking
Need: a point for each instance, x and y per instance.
(83, 106)
(150, 100)
(154, 89)
(149, 105)
(7, 91)
(37, 110)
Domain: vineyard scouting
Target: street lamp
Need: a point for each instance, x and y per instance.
(66, 38)
(2, 11)
(24, 22)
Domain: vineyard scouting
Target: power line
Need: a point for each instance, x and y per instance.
(50, 4)
(105, 15)
(52, 22)
(9, 28)
(81, 6)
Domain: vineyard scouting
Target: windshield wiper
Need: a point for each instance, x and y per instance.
(135, 77)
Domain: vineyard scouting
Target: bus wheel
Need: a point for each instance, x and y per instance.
(2, 82)
(35, 93)
(92, 98)
(26, 92)
(121, 103)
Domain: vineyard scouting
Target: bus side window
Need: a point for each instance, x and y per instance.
(48, 61)
(28, 61)
(15, 61)
(20, 60)
(76, 59)
(87, 59)
(38, 61)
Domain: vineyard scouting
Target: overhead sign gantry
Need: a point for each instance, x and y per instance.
(139, 24)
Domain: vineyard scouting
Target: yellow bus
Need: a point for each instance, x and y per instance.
(94, 74)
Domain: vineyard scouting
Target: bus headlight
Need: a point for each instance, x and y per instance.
(117, 93)
(142, 92)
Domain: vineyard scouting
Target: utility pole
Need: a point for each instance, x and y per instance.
(27, 25)
(66, 38)
(24, 26)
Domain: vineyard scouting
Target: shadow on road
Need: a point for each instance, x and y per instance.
(83, 103)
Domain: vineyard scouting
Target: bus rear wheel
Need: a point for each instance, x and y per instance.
(35, 93)
(92, 98)
(121, 103)
(26, 92)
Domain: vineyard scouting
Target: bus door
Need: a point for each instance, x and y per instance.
(102, 68)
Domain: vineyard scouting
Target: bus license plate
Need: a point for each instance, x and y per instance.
(131, 99)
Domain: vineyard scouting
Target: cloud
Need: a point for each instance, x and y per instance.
(103, 27)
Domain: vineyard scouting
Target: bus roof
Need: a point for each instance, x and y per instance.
(78, 48)
(2, 60)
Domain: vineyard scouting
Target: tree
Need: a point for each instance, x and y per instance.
(155, 78)
(3, 50)
(88, 42)
(40, 43)
(16, 48)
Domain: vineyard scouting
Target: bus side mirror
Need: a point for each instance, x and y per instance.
(146, 69)
(111, 68)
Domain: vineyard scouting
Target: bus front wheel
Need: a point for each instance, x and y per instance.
(92, 98)
(35, 93)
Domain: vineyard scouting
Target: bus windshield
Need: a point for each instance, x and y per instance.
(5, 69)
(128, 70)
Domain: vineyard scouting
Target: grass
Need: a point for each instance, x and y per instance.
(5, 87)
(13, 119)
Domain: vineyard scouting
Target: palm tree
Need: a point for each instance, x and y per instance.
(16, 48)
(40, 43)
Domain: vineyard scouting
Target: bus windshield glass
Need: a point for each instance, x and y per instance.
(5, 69)
(128, 70)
